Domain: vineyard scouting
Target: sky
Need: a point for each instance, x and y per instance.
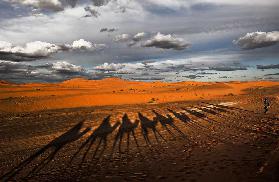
(146, 40)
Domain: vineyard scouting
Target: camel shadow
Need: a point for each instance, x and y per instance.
(101, 133)
(196, 127)
(146, 125)
(167, 122)
(198, 115)
(127, 127)
(209, 111)
(56, 145)
(182, 117)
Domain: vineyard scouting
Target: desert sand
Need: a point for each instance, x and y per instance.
(119, 130)
(112, 91)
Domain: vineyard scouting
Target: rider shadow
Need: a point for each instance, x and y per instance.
(167, 122)
(127, 127)
(101, 133)
(147, 124)
(56, 145)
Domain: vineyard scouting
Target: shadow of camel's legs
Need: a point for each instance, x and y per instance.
(157, 132)
(170, 132)
(18, 168)
(87, 150)
(41, 165)
(79, 150)
(116, 140)
(136, 142)
(104, 147)
(97, 148)
(145, 136)
(178, 130)
(134, 136)
(128, 142)
(120, 142)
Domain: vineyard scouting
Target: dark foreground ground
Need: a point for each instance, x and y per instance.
(186, 141)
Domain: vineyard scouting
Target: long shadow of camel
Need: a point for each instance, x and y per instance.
(198, 115)
(231, 108)
(167, 122)
(234, 124)
(149, 124)
(57, 144)
(196, 126)
(127, 127)
(209, 111)
(101, 133)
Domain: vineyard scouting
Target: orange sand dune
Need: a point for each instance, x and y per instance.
(112, 91)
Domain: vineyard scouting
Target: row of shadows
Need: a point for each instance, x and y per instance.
(126, 127)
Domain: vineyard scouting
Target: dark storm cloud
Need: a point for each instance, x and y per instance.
(112, 30)
(271, 66)
(104, 30)
(108, 29)
(166, 42)
(18, 57)
(273, 74)
(258, 40)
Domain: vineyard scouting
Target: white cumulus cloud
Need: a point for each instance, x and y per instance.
(39, 49)
(139, 36)
(166, 42)
(110, 67)
(257, 40)
(82, 44)
(122, 38)
(64, 66)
